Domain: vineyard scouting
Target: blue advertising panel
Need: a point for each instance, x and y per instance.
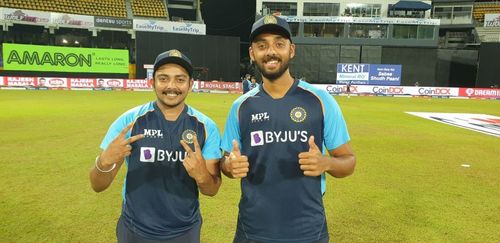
(370, 74)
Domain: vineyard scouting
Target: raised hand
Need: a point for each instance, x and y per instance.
(118, 149)
(312, 162)
(236, 164)
(195, 164)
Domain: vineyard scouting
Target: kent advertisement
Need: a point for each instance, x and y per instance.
(368, 74)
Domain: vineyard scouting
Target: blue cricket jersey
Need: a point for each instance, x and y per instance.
(160, 199)
(279, 203)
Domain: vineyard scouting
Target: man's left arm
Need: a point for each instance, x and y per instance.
(206, 173)
(339, 163)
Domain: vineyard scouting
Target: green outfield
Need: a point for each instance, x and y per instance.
(409, 185)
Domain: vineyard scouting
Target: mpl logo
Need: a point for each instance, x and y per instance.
(260, 117)
(147, 154)
(259, 138)
(152, 133)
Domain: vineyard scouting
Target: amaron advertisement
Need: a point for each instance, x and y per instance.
(371, 74)
(19, 57)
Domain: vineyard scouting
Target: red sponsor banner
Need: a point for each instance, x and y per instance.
(137, 84)
(81, 82)
(4, 81)
(229, 86)
(479, 93)
(20, 81)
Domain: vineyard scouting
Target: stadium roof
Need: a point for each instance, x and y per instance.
(411, 5)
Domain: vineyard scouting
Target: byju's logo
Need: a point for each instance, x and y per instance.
(152, 133)
(259, 117)
(257, 138)
(147, 154)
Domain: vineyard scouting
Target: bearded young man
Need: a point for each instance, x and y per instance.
(273, 141)
(171, 151)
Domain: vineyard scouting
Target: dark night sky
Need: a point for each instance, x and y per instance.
(229, 18)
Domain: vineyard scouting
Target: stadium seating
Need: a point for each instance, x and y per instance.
(112, 8)
(149, 8)
(480, 9)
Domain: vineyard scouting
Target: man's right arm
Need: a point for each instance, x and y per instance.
(99, 180)
(109, 162)
(235, 165)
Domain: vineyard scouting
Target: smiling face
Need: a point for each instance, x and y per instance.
(271, 53)
(171, 84)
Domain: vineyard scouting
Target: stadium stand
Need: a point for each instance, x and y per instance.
(113, 8)
(482, 8)
(149, 8)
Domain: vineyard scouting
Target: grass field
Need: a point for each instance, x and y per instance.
(408, 185)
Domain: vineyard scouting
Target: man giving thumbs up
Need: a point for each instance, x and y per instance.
(273, 140)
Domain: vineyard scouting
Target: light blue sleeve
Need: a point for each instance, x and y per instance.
(335, 130)
(232, 129)
(211, 148)
(116, 127)
(123, 121)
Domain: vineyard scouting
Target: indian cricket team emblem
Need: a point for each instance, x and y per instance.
(269, 19)
(175, 53)
(188, 136)
(298, 114)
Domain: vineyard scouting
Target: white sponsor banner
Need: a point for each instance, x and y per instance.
(52, 82)
(390, 90)
(361, 20)
(81, 82)
(170, 27)
(109, 83)
(25, 16)
(492, 20)
(151, 25)
(72, 20)
(482, 123)
(187, 28)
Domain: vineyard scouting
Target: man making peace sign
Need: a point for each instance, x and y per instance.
(171, 151)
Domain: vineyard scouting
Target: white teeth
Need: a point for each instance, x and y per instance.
(272, 62)
(172, 95)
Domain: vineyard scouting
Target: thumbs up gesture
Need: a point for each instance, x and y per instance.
(236, 164)
(312, 162)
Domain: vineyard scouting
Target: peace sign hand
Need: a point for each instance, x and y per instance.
(194, 162)
(118, 149)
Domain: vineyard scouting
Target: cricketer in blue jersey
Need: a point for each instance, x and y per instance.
(171, 151)
(274, 139)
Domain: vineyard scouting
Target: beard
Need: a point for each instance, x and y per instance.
(272, 75)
